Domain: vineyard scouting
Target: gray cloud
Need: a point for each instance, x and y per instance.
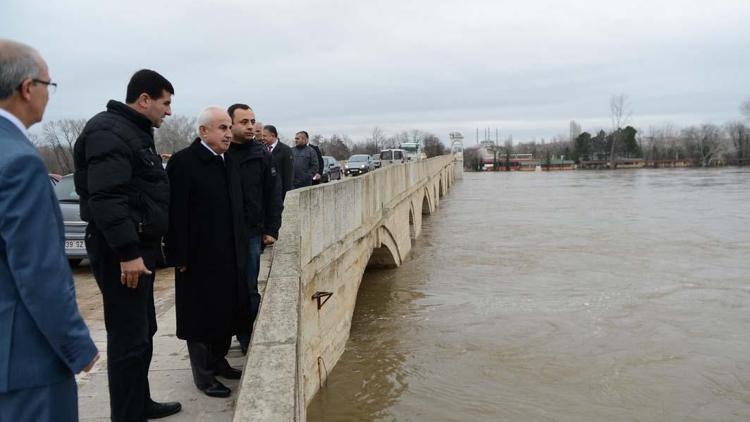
(527, 67)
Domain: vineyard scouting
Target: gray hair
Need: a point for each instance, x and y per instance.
(206, 116)
(18, 62)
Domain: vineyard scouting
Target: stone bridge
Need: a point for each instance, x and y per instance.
(331, 233)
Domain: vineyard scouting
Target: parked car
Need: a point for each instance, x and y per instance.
(75, 228)
(358, 164)
(331, 169)
(376, 163)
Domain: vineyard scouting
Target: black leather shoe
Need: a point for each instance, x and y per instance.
(229, 373)
(217, 389)
(156, 410)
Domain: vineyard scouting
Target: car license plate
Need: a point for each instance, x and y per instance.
(75, 244)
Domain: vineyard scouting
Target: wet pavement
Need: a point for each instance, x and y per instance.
(170, 377)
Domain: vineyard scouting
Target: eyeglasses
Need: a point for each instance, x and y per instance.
(51, 86)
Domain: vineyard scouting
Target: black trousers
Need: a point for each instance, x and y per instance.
(130, 319)
(206, 359)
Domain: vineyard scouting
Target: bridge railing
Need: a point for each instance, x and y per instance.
(314, 219)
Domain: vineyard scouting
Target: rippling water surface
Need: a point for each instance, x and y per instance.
(578, 296)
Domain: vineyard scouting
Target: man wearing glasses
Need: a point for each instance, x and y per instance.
(124, 194)
(43, 339)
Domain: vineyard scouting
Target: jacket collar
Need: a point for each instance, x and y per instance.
(203, 153)
(248, 151)
(125, 111)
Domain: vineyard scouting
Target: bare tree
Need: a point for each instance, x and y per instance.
(378, 138)
(59, 137)
(575, 130)
(745, 109)
(739, 134)
(703, 143)
(619, 112)
(432, 146)
(175, 134)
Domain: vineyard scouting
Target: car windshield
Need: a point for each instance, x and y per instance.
(386, 155)
(359, 157)
(65, 190)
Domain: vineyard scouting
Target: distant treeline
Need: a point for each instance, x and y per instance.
(57, 137)
(702, 146)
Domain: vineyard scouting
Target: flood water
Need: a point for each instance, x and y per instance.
(567, 296)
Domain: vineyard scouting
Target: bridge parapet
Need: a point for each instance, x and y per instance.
(330, 234)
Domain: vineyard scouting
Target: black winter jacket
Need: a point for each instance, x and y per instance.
(123, 188)
(261, 191)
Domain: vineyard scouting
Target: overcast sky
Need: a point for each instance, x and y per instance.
(526, 67)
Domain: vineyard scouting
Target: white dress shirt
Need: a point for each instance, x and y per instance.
(13, 119)
(212, 151)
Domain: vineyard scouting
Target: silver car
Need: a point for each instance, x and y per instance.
(75, 229)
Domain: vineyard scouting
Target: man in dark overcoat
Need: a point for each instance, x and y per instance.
(207, 246)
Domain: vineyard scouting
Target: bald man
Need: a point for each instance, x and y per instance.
(43, 340)
(207, 244)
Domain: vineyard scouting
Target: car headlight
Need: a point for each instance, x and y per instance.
(362, 166)
(346, 166)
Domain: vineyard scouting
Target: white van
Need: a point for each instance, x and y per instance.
(392, 156)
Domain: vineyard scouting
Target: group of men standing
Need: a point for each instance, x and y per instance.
(216, 206)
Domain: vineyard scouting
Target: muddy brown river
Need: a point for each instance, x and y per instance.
(576, 296)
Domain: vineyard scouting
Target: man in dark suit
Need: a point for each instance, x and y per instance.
(317, 177)
(43, 339)
(207, 245)
(124, 194)
(281, 155)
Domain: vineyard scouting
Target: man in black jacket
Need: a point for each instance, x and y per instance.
(261, 196)
(124, 197)
(281, 156)
(317, 177)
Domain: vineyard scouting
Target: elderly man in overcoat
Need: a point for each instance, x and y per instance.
(207, 246)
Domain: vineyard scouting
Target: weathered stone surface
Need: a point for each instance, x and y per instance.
(269, 385)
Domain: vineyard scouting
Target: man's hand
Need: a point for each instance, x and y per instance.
(268, 240)
(91, 364)
(130, 271)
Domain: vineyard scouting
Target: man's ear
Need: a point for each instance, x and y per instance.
(144, 100)
(201, 131)
(25, 89)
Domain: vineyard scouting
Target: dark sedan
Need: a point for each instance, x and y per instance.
(331, 169)
(75, 229)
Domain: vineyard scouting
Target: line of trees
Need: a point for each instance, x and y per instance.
(56, 140)
(702, 145)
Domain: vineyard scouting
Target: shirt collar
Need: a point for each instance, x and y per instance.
(209, 148)
(13, 119)
(273, 145)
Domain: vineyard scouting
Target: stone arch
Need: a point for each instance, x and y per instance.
(427, 207)
(386, 255)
